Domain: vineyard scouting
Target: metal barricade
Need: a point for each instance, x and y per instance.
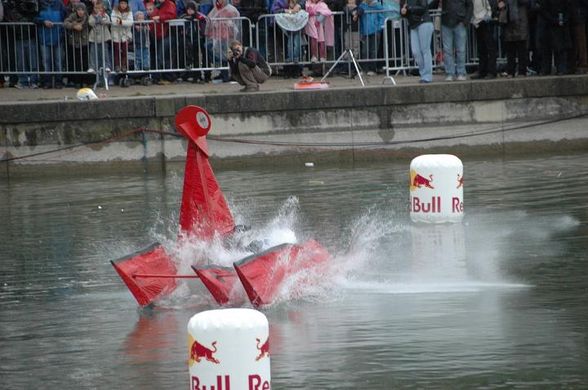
(368, 49)
(396, 46)
(183, 48)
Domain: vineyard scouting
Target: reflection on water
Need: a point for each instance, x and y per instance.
(498, 301)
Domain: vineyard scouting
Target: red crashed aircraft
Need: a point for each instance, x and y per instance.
(151, 273)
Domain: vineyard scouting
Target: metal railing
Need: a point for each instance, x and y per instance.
(194, 49)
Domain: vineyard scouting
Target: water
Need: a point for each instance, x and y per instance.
(496, 302)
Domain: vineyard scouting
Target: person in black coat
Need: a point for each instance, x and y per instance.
(556, 39)
(514, 20)
(483, 19)
(579, 56)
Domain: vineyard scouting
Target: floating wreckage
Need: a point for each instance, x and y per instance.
(151, 274)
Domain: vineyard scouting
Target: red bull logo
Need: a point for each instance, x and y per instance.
(419, 181)
(263, 349)
(459, 181)
(199, 352)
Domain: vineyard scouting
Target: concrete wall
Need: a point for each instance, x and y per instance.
(492, 116)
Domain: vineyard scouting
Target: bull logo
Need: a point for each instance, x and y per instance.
(418, 181)
(199, 351)
(459, 181)
(263, 349)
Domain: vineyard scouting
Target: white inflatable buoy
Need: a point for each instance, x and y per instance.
(436, 188)
(228, 349)
(86, 94)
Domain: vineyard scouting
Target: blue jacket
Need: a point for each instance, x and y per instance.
(371, 22)
(54, 11)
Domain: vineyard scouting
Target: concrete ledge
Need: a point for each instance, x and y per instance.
(355, 97)
(345, 122)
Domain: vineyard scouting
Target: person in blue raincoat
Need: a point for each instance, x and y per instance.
(50, 18)
(372, 17)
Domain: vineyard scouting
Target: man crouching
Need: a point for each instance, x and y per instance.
(248, 67)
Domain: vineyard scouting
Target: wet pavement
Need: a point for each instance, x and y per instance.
(275, 83)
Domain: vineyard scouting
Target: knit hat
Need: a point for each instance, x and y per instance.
(192, 5)
(80, 6)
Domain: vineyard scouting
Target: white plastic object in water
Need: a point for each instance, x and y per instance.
(85, 94)
(436, 188)
(228, 349)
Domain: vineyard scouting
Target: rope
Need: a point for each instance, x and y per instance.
(313, 145)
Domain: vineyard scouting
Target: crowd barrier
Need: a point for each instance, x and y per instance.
(187, 49)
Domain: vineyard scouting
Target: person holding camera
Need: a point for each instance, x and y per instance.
(248, 67)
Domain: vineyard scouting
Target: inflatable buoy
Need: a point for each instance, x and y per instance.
(229, 349)
(436, 188)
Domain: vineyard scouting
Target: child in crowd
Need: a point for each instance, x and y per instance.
(293, 36)
(77, 28)
(151, 11)
(194, 38)
(221, 29)
(371, 26)
(352, 27)
(135, 5)
(292, 19)
(99, 38)
(149, 8)
(141, 41)
(122, 22)
(161, 15)
(320, 29)
(105, 4)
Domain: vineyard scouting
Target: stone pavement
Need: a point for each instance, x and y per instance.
(275, 83)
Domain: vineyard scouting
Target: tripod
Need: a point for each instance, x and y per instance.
(349, 54)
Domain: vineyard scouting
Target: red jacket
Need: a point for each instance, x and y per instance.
(166, 11)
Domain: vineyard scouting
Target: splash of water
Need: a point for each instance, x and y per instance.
(377, 254)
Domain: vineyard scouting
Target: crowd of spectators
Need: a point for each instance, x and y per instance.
(75, 39)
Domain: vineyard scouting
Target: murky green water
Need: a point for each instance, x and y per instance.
(499, 301)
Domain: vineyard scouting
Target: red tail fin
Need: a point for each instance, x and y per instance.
(151, 260)
(262, 274)
(204, 209)
(222, 283)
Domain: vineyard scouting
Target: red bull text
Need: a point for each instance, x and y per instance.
(223, 382)
(434, 205)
